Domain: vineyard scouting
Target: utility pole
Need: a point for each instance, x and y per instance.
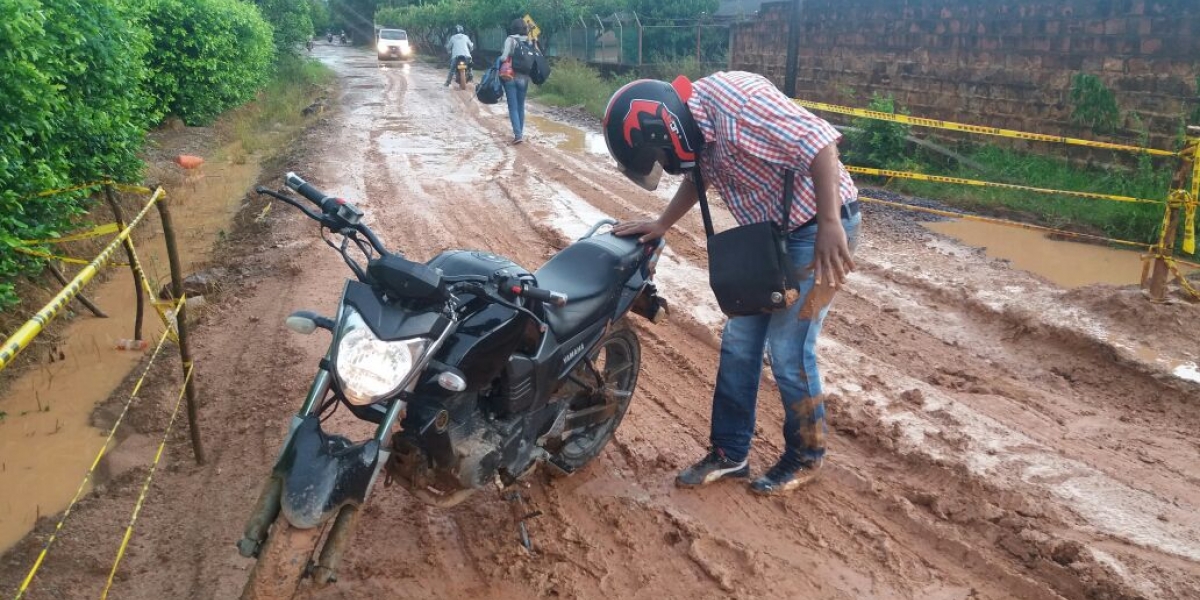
(793, 49)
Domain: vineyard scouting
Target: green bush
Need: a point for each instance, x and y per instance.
(71, 76)
(879, 144)
(1093, 104)
(291, 22)
(573, 83)
(209, 55)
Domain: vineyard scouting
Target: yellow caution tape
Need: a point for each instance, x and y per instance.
(1183, 282)
(137, 508)
(124, 187)
(92, 469)
(73, 188)
(166, 309)
(977, 129)
(957, 215)
(97, 231)
(24, 336)
(48, 256)
(1189, 212)
(1189, 228)
(61, 258)
(1009, 186)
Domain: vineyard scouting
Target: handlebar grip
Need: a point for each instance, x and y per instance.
(305, 189)
(555, 298)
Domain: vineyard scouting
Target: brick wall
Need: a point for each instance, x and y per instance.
(1003, 63)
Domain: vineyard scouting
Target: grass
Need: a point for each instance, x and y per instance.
(574, 83)
(279, 105)
(1121, 220)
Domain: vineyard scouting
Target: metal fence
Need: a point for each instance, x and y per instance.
(625, 39)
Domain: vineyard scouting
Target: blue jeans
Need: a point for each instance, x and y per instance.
(791, 338)
(514, 92)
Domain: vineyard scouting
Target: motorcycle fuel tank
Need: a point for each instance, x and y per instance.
(489, 333)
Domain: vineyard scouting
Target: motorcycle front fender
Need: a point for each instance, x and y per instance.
(320, 473)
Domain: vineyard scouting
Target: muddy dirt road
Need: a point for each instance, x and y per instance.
(992, 436)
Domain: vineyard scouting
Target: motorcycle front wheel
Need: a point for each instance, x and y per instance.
(282, 562)
(618, 359)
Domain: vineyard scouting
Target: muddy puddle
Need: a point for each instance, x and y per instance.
(46, 440)
(570, 138)
(1067, 264)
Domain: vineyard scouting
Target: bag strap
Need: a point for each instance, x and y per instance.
(698, 179)
(788, 176)
(788, 184)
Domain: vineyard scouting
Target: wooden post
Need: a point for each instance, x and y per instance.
(1158, 280)
(62, 279)
(185, 355)
(1166, 241)
(134, 267)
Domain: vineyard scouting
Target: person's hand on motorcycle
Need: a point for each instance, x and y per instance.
(832, 260)
(648, 230)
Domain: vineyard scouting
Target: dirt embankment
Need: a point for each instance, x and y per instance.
(991, 436)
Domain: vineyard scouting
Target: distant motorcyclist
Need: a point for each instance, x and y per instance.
(458, 45)
(343, 36)
(329, 35)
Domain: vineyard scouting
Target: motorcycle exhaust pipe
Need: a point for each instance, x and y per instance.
(265, 513)
(325, 571)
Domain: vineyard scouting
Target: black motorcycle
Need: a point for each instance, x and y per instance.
(473, 369)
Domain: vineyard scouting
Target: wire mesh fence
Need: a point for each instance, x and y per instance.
(626, 39)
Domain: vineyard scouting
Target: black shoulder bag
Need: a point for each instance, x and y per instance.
(748, 266)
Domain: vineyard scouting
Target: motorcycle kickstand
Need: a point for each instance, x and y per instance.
(521, 513)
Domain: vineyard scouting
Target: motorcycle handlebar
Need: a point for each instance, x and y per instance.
(307, 190)
(555, 298)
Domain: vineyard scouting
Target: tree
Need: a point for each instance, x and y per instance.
(291, 22)
(319, 9)
(356, 17)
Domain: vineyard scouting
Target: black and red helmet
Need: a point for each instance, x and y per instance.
(649, 129)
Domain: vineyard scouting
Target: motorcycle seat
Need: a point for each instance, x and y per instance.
(590, 272)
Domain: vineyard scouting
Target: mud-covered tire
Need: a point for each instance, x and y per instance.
(282, 562)
(462, 79)
(620, 344)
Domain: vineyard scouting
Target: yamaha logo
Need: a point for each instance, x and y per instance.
(573, 353)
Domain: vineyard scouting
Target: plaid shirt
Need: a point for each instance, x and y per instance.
(752, 132)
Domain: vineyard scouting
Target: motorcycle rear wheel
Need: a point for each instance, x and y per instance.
(618, 357)
(282, 562)
(462, 79)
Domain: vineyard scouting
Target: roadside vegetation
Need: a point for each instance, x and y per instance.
(882, 144)
(84, 81)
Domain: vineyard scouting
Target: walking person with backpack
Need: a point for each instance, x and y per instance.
(519, 51)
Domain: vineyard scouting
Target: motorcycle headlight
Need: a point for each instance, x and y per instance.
(369, 368)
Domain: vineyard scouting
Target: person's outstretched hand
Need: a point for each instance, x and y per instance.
(648, 230)
(832, 260)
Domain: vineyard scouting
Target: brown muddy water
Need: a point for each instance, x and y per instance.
(1067, 264)
(570, 138)
(47, 441)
